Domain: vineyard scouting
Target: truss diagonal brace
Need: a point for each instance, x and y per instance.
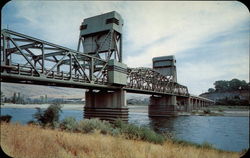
(23, 54)
(57, 64)
(81, 67)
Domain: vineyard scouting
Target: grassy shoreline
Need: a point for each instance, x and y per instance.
(34, 141)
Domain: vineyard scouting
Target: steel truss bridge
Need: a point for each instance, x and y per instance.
(29, 60)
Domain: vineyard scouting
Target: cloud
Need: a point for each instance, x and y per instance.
(193, 31)
(188, 25)
(224, 57)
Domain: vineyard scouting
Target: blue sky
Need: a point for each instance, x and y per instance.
(210, 40)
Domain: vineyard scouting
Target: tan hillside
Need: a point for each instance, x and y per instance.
(35, 91)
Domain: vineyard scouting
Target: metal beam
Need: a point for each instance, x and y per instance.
(81, 67)
(14, 49)
(45, 43)
(23, 54)
(57, 64)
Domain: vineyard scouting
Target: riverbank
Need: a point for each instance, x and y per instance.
(234, 111)
(33, 141)
(220, 110)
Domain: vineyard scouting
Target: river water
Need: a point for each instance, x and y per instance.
(223, 132)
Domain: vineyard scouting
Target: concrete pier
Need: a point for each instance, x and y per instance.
(162, 106)
(184, 104)
(106, 105)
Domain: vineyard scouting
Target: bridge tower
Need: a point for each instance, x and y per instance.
(101, 37)
(167, 105)
(166, 65)
(164, 105)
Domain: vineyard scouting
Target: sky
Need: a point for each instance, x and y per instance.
(210, 40)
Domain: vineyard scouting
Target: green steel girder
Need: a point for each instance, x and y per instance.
(79, 70)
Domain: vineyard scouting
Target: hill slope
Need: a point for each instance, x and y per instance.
(35, 91)
(216, 96)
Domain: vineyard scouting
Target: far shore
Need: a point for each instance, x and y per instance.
(43, 106)
(139, 109)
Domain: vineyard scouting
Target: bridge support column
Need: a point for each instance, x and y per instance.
(184, 104)
(188, 105)
(196, 104)
(162, 106)
(106, 105)
(191, 104)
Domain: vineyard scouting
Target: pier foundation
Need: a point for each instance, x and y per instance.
(161, 106)
(106, 105)
(188, 104)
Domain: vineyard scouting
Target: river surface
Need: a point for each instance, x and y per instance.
(223, 132)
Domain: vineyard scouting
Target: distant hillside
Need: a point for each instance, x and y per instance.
(35, 91)
(228, 97)
(242, 94)
(229, 92)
